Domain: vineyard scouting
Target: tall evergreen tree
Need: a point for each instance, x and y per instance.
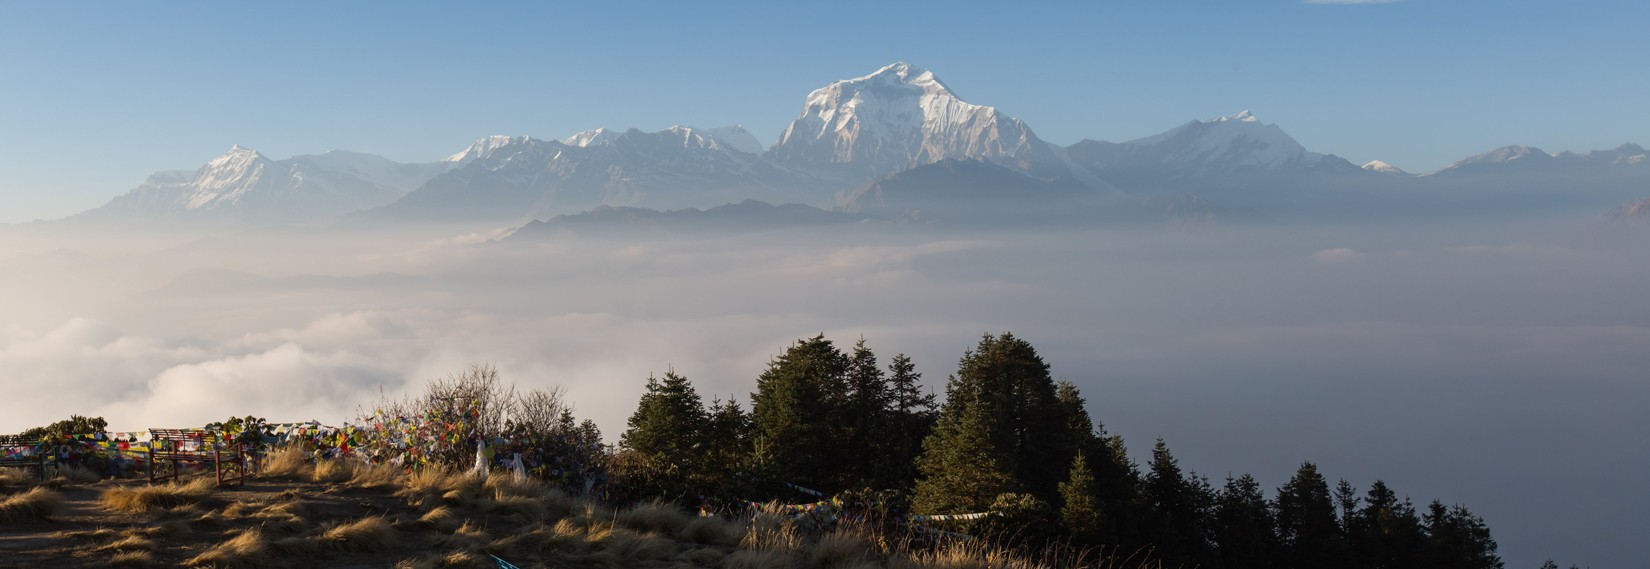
(1386, 533)
(1178, 508)
(960, 464)
(911, 418)
(1459, 539)
(1079, 511)
(868, 419)
(1308, 532)
(1005, 383)
(798, 411)
(665, 432)
(726, 441)
(1244, 533)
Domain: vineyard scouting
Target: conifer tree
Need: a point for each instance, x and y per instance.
(1459, 539)
(1178, 506)
(798, 416)
(1386, 533)
(911, 415)
(726, 441)
(1079, 511)
(868, 419)
(961, 472)
(1244, 533)
(665, 432)
(1005, 383)
(1308, 531)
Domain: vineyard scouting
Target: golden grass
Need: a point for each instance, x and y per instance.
(757, 559)
(840, 550)
(289, 463)
(366, 534)
(248, 549)
(712, 531)
(140, 499)
(133, 559)
(34, 504)
(654, 517)
(15, 477)
(332, 471)
(129, 543)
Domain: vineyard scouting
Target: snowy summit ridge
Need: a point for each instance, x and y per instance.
(898, 117)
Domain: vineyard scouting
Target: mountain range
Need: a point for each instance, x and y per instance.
(897, 142)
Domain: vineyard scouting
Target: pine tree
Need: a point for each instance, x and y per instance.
(1005, 380)
(868, 419)
(1308, 532)
(1244, 532)
(911, 414)
(666, 432)
(799, 419)
(1459, 539)
(726, 440)
(959, 463)
(1386, 533)
(1178, 507)
(1079, 511)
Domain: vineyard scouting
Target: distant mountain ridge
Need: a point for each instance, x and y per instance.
(896, 139)
(242, 184)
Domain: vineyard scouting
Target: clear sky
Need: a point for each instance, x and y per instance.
(95, 96)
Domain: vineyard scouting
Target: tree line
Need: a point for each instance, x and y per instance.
(1010, 441)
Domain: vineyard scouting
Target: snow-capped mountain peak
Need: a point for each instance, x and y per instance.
(900, 116)
(481, 148)
(1244, 116)
(1383, 167)
(589, 138)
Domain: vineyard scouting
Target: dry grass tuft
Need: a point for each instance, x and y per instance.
(440, 519)
(133, 559)
(249, 549)
(757, 559)
(655, 517)
(131, 542)
(35, 504)
(771, 533)
(840, 551)
(365, 534)
(712, 531)
(505, 484)
(15, 477)
(290, 463)
(171, 528)
(455, 560)
(328, 471)
(376, 476)
(145, 498)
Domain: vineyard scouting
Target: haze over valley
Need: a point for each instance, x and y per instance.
(1473, 333)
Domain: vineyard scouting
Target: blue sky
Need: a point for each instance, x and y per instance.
(94, 97)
